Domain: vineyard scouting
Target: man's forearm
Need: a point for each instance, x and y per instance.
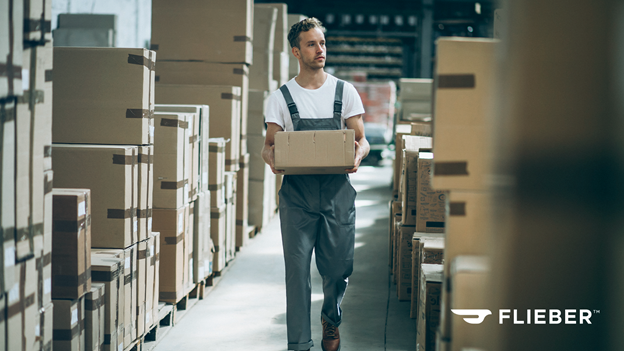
(364, 148)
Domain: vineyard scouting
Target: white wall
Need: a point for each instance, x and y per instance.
(134, 17)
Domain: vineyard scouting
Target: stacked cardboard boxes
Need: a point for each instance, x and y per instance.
(104, 141)
(25, 174)
(280, 47)
(262, 181)
(462, 165)
(216, 179)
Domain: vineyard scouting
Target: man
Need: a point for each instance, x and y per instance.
(317, 212)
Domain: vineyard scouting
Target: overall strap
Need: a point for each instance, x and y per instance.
(338, 103)
(292, 107)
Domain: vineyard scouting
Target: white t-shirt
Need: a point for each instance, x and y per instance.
(318, 103)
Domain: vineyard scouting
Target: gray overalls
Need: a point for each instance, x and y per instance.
(317, 212)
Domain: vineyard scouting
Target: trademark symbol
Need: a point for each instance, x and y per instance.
(596, 311)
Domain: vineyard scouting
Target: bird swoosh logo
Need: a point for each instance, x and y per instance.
(481, 314)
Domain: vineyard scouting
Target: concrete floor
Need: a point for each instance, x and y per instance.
(246, 311)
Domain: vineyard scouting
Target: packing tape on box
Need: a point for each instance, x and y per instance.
(119, 214)
(6, 114)
(37, 25)
(230, 96)
(143, 254)
(146, 158)
(155, 259)
(230, 162)
(216, 215)
(64, 226)
(127, 279)
(457, 209)
(215, 148)
(450, 168)
(170, 122)
(143, 213)
(215, 187)
(66, 334)
(32, 97)
(240, 222)
(193, 139)
(455, 81)
(49, 75)
(139, 113)
(125, 159)
(72, 280)
(37, 229)
(173, 185)
(102, 276)
(141, 60)
(241, 71)
(174, 240)
(93, 305)
(242, 38)
(154, 47)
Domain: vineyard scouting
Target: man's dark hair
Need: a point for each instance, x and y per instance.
(303, 26)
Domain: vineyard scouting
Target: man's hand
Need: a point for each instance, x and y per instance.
(270, 158)
(361, 144)
(268, 151)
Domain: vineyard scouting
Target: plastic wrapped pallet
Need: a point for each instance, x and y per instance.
(120, 111)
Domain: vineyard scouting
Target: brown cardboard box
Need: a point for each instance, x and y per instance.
(432, 249)
(261, 72)
(395, 248)
(315, 152)
(11, 81)
(95, 317)
(68, 325)
(197, 73)
(404, 262)
(431, 205)
(256, 163)
(280, 43)
(171, 160)
(469, 279)
(109, 271)
(218, 235)
(46, 254)
(255, 115)
(242, 202)
(171, 224)
(463, 98)
(216, 171)
(156, 260)
(199, 161)
(111, 174)
(7, 194)
(409, 186)
(225, 109)
(230, 214)
(71, 244)
(261, 198)
(467, 230)
(124, 270)
(293, 65)
(418, 258)
(233, 21)
(119, 111)
(37, 22)
(406, 141)
(421, 129)
(429, 306)
(189, 232)
(150, 265)
(395, 208)
(22, 317)
(142, 257)
(46, 317)
(145, 164)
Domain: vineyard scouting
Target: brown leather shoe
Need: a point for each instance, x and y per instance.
(331, 337)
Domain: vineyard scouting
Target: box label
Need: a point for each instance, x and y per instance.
(82, 209)
(180, 223)
(74, 317)
(9, 256)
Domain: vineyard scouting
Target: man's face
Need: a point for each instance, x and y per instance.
(312, 48)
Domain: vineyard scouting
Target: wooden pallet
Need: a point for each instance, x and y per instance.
(166, 319)
(134, 346)
(252, 231)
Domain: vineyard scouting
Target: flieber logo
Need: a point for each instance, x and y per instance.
(537, 316)
(481, 314)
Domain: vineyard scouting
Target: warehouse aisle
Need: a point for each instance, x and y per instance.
(246, 310)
